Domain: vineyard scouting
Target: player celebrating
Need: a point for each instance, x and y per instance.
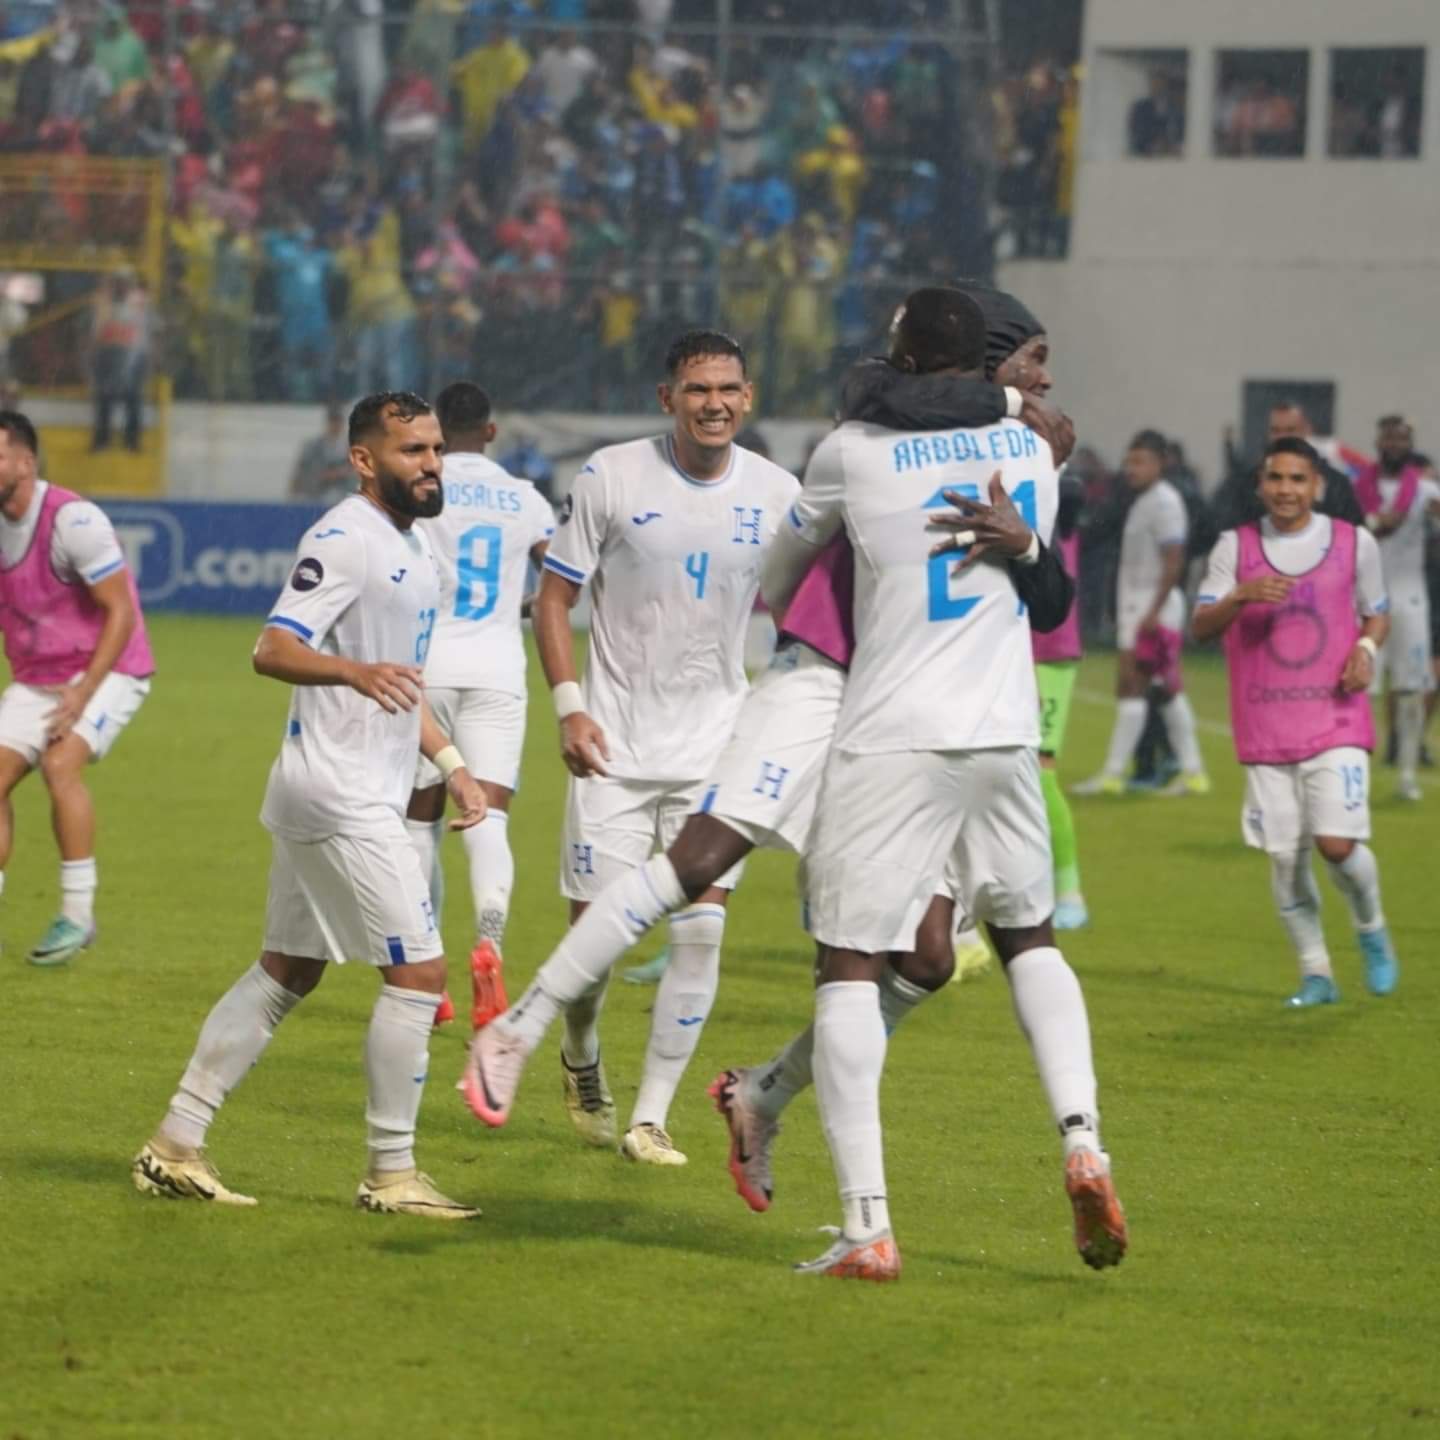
(1150, 612)
(933, 760)
(80, 664)
(669, 532)
(492, 526)
(349, 632)
(1397, 493)
(1286, 593)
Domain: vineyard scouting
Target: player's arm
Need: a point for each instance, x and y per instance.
(537, 558)
(812, 522)
(1172, 560)
(582, 741)
(1373, 604)
(281, 654)
(112, 595)
(465, 790)
(1221, 599)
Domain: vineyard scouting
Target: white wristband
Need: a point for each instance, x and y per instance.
(1014, 402)
(567, 697)
(1032, 551)
(1367, 644)
(448, 761)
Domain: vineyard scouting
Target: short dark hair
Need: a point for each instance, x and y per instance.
(1151, 440)
(939, 327)
(462, 407)
(1385, 421)
(1294, 445)
(369, 413)
(702, 345)
(19, 428)
(1289, 402)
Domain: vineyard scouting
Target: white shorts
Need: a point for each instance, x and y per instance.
(889, 825)
(1405, 660)
(350, 897)
(612, 826)
(767, 780)
(25, 709)
(488, 729)
(1286, 806)
(1129, 612)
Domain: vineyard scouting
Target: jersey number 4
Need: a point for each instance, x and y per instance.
(479, 586)
(944, 605)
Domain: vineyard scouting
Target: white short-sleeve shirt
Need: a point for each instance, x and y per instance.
(83, 546)
(1154, 521)
(367, 590)
(482, 541)
(1297, 552)
(673, 565)
(1403, 550)
(942, 656)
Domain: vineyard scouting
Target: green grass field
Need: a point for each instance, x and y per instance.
(1280, 1170)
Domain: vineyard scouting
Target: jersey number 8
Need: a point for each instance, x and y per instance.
(473, 576)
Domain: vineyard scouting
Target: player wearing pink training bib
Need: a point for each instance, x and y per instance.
(80, 664)
(1301, 602)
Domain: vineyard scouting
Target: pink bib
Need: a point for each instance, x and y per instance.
(1285, 661)
(1367, 489)
(52, 626)
(822, 614)
(1064, 643)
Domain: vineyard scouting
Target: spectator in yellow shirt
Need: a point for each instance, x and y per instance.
(484, 78)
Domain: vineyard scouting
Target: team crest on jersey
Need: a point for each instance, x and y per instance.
(308, 574)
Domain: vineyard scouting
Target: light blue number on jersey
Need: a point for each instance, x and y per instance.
(1354, 778)
(471, 575)
(422, 640)
(697, 566)
(944, 606)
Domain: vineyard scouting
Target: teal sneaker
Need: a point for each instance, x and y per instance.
(1382, 968)
(649, 973)
(1314, 990)
(63, 939)
(1070, 914)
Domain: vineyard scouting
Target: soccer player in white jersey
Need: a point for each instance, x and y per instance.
(934, 761)
(349, 632)
(1399, 495)
(1150, 610)
(492, 528)
(669, 533)
(1300, 600)
(80, 666)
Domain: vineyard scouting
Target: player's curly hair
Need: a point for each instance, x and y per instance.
(702, 344)
(371, 411)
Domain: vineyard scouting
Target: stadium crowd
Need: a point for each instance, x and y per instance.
(366, 197)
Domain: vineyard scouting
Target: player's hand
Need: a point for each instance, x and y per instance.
(1387, 522)
(1050, 423)
(996, 529)
(465, 790)
(583, 744)
(1267, 590)
(1359, 670)
(70, 702)
(392, 687)
(1149, 624)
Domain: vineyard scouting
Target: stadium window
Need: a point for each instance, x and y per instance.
(1140, 99)
(1376, 96)
(1260, 103)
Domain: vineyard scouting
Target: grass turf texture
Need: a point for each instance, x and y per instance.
(1279, 1169)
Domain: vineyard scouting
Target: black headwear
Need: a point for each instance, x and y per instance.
(1008, 324)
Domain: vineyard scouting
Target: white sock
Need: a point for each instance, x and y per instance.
(1292, 882)
(397, 1060)
(769, 1088)
(1357, 878)
(687, 991)
(492, 874)
(849, 1060)
(77, 891)
(1129, 726)
(580, 966)
(1051, 1010)
(1179, 718)
(425, 837)
(232, 1039)
(580, 1045)
(2, 882)
(1409, 732)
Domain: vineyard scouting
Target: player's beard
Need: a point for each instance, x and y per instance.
(399, 495)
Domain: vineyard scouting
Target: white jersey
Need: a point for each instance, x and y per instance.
(674, 568)
(1156, 519)
(1403, 550)
(1297, 552)
(942, 660)
(83, 546)
(364, 589)
(482, 542)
